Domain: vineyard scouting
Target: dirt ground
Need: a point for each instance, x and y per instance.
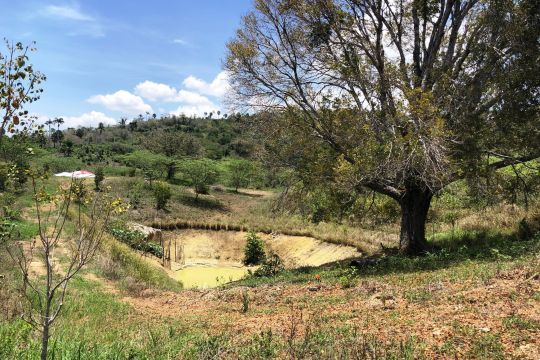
(199, 246)
(210, 258)
(455, 315)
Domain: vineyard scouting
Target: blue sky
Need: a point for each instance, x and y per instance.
(107, 59)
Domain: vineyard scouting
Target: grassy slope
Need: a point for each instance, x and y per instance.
(478, 296)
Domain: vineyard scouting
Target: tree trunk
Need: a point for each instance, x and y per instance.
(45, 340)
(414, 208)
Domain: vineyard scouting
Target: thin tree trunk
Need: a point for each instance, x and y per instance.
(45, 339)
(414, 208)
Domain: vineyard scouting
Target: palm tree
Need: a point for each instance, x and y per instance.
(123, 121)
(58, 122)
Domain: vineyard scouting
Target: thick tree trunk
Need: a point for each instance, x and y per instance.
(414, 208)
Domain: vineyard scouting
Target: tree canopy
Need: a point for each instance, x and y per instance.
(401, 97)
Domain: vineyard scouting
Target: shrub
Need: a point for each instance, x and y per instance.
(271, 266)
(254, 251)
(135, 194)
(347, 279)
(4, 176)
(99, 176)
(162, 194)
(56, 163)
(528, 227)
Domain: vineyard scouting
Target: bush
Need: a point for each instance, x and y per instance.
(254, 251)
(528, 227)
(55, 163)
(100, 175)
(348, 278)
(271, 266)
(162, 194)
(4, 176)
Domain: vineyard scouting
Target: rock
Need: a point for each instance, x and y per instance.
(382, 301)
(150, 233)
(314, 288)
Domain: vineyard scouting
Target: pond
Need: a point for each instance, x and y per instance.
(203, 277)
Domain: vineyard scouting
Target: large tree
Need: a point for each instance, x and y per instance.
(408, 96)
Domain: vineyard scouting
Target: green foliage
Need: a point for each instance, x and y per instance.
(19, 86)
(4, 176)
(99, 177)
(136, 240)
(254, 250)
(271, 266)
(529, 227)
(67, 147)
(240, 173)
(154, 165)
(55, 163)
(200, 174)
(162, 194)
(135, 193)
(348, 278)
(173, 144)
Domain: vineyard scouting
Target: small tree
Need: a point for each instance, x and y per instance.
(19, 85)
(240, 173)
(45, 300)
(254, 250)
(99, 177)
(201, 173)
(162, 194)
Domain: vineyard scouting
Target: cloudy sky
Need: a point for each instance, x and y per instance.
(105, 59)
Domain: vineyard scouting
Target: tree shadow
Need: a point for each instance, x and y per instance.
(479, 246)
(203, 203)
(242, 193)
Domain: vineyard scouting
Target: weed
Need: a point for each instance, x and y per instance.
(245, 302)
(518, 322)
(487, 347)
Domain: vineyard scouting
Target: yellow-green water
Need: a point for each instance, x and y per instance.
(208, 277)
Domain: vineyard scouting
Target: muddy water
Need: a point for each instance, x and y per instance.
(206, 277)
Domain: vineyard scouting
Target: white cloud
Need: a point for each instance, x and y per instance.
(197, 110)
(218, 87)
(67, 12)
(155, 91)
(181, 42)
(85, 24)
(122, 101)
(91, 119)
(190, 102)
(192, 98)
(164, 93)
